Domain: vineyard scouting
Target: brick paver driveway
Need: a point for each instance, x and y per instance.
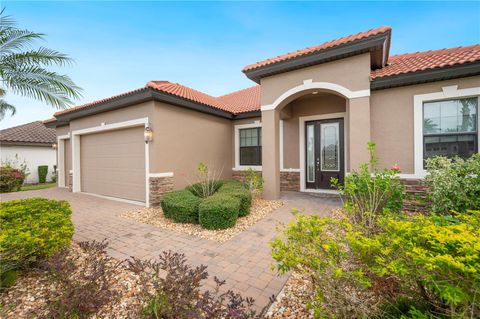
(244, 261)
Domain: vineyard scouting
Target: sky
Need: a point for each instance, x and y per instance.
(120, 46)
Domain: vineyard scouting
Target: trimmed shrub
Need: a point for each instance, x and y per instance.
(11, 179)
(32, 229)
(219, 211)
(236, 189)
(42, 173)
(181, 206)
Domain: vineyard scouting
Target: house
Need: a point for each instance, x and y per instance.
(307, 119)
(31, 144)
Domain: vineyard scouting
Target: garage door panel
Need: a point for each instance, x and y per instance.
(113, 163)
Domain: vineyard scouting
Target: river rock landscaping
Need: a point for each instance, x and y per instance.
(154, 216)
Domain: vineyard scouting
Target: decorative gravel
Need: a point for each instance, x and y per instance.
(292, 300)
(28, 297)
(154, 216)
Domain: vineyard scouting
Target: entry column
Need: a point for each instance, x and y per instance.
(270, 154)
(358, 114)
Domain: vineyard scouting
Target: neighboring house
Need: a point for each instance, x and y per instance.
(31, 144)
(308, 119)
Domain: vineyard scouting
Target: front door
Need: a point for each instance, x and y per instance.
(324, 153)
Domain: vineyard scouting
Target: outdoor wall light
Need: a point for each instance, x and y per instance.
(54, 146)
(148, 134)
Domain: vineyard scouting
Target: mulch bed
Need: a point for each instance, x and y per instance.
(154, 216)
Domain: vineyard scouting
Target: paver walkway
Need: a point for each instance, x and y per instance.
(244, 261)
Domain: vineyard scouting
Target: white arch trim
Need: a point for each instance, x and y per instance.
(309, 85)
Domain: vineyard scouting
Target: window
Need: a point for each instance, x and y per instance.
(251, 146)
(450, 128)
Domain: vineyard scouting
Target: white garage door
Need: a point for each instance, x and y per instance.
(113, 163)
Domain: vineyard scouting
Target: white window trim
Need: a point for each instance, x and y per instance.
(61, 159)
(448, 92)
(239, 167)
(301, 134)
(75, 144)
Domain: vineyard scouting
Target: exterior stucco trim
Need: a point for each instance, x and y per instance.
(310, 85)
(166, 174)
(75, 138)
(448, 92)
(237, 129)
(61, 159)
(301, 134)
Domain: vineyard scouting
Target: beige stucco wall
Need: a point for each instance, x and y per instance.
(392, 120)
(307, 106)
(62, 130)
(352, 73)
(183, 138)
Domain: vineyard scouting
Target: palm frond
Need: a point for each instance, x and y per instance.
(41, 56)
(6, 21)
(14, 40)
(38, 83)
(5, 107)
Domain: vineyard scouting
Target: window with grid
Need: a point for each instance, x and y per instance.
(251, 146)
(450, 128)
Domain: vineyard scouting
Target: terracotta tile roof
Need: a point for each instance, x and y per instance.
(419, 61)
(187, 93)
(49, 120)
(94, 103)
(246, 100)
(317, 48)
(34, 132)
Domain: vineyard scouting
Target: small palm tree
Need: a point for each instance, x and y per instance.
(23, 70)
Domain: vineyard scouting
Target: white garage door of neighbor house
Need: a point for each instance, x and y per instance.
(113, 163)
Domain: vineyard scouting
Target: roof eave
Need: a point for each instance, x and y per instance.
(432, 75)
(20, 143)
(371, 44)
(247, 115)
(149, 94)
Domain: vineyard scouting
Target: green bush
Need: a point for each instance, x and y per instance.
(31, 230)
(219, 211)
(254, 181)
(436, 258)
(316, 247)
(236, 189)
(369, 192)
(454, 184)
(42, 173)
(181, 206)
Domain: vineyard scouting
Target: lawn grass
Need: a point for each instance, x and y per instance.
(37, 186)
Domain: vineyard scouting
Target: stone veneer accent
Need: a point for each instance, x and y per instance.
(416, 200)
(70, 181)
(158, 187)
(290, 181)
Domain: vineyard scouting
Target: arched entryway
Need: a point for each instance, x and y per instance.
(309, 134)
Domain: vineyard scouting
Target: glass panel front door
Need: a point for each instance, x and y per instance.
(324, 153)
